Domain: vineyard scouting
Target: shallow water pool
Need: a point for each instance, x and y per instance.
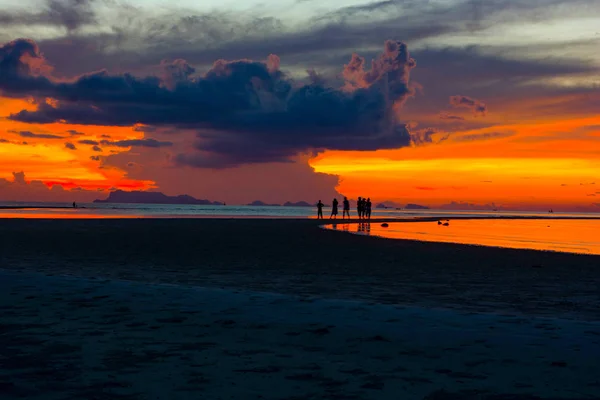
(564, 235)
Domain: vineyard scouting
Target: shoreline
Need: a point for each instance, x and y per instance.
(272, 310)
(298, 257)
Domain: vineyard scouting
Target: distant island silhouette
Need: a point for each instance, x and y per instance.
(410, 206)
(415, 207)
(139, 197)
(258, 203)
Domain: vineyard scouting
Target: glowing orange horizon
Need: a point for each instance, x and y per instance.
(50, 162)
(517, 165)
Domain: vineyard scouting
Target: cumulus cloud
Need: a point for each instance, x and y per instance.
(244, 111)
(70, 146)
(474, 105)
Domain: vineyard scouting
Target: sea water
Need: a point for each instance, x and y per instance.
(569, 235)
(103, 210)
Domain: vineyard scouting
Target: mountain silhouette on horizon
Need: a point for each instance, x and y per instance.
(140, 197)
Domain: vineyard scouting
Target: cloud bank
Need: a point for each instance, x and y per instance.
(243, 111)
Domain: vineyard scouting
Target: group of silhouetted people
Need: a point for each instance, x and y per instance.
(363, 208)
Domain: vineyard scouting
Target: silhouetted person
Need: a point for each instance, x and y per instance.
(320, 210)
(368, 208)
(359, 207)
(346, 208)
(334, 209)
(74, 205)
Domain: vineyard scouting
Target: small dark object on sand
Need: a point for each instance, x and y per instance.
(439, 222)
(446, 224)
(384, 225)
(559, 364)
(536, 266)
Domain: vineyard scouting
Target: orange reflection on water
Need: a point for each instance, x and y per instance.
(564, 235)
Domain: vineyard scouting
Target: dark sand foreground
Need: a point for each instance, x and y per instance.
(395, 319)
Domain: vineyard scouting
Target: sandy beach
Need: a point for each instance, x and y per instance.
(276, 309)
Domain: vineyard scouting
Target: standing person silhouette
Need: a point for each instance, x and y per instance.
(320, 210)
(359, 207)
(334, 209)
(346, 210)
(368, 208)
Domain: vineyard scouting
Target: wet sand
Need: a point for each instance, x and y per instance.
(277, 309)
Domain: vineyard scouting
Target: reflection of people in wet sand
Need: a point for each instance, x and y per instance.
(346, 210)
(364, 227)
(320, 210)
(334, 209)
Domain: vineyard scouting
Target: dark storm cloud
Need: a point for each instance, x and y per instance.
(244, 111)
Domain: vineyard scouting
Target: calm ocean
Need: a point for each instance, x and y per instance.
(62, 210)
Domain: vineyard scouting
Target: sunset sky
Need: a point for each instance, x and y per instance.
(466, 104)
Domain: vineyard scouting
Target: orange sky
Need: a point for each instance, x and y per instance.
(49, 161)
(517, 165)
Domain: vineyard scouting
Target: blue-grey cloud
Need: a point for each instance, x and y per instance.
(474, 105)
(260, 113)
(451, 117)
(31, 135)
(73, 132)
(70, 14)
(152, 143)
